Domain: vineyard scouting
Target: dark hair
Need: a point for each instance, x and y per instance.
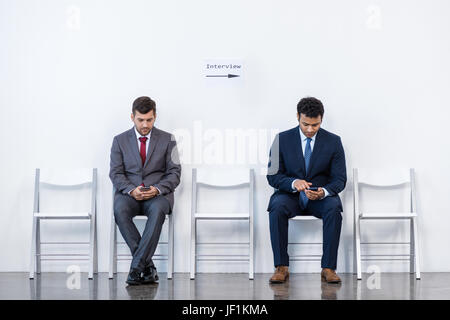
(310, 107)
(144, 105)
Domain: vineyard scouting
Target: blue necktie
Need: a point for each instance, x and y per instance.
(303, 198)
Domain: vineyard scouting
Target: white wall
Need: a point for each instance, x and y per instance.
(381, 69)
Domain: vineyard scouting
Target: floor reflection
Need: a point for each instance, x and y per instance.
(35, 287)
(142, 292)
(329, 290)
(391, 286)
(280, 290)
(57, 286)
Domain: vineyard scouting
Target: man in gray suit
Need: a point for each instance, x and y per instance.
(145, 171)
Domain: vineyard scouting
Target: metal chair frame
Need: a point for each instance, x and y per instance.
(305, 257)
(413, 255)
(195, 217)
(36, 252)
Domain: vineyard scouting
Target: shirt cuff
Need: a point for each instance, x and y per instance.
(159, 191)
(326, 193)
(292, 186)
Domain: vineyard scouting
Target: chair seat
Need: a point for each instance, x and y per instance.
(144, 217)
(387, 215)
(62, 215)
(222, 216)
(140, 217)
(310, 218)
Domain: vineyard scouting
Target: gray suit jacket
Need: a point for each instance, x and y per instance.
(161, 169)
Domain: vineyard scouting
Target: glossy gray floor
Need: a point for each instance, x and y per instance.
(391, 286)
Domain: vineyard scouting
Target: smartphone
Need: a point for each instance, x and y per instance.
(313, 188)
(144, 188)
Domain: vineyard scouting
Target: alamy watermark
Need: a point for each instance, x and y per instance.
(374, 280)
(74, 279)
(222, 147)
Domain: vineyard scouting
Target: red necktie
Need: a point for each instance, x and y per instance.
(142, 151)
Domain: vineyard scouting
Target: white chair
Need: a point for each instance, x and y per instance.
(305, 257)
(386, 178)
(114, 257)
(220, 179)
(64, 180)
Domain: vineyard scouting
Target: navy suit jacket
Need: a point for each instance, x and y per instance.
(326, 167)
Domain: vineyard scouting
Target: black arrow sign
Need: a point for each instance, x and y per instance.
(223, 76)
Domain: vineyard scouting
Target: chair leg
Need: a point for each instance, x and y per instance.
(251, 251)
(411, 246)
(354, 247)
(416, 248)
(170, 249)
(91, 250)
(112, 242)
(33, 249)
(115, 250)
(193, 247)
(358, 249)
(95, 247)
(38, 246)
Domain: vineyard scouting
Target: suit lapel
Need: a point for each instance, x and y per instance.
(318, 145)
(134, 145)
(153, 141)
(298, 148)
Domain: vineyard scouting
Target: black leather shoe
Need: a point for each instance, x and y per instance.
(150, 275)
(134, 277)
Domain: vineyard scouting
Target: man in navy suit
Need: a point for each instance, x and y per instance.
(301, 158)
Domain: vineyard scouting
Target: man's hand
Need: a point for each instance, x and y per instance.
(301, 185)
(315, 195)
(144, 195)
(153, 192)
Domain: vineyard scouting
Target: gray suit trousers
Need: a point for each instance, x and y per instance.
(142, 247)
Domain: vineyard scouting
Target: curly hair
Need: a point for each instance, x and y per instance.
(310, 107)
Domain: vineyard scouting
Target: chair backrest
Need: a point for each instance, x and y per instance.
(219, 177)
(390, 177)
(383, 177)
(66, 179)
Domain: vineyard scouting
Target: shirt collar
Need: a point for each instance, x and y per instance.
(138, 135)
(303, 137)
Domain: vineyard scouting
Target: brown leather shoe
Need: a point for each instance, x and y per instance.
(280, 275)
(329, 276)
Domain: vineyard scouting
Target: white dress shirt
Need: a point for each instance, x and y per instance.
(304, 140)
(147, 143)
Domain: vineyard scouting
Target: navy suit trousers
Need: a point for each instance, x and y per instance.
(284, 206)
